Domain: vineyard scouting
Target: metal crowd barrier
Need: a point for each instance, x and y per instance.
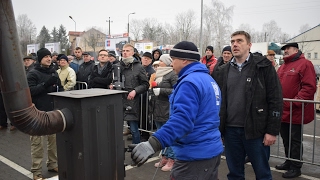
(310, 152)
(309, 156)
(81, 85)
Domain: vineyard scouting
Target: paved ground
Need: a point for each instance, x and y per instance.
(15, 163)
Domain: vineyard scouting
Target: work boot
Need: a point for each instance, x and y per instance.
(283, 166)
(292, 173)
(168, 166)
(163, 161)
(37, 177)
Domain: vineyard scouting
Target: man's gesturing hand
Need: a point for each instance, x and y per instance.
(141, 152)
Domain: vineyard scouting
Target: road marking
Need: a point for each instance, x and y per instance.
(29, 174)
(307, 135)
(16, 167)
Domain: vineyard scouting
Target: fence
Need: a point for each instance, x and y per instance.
(81, 85)
(311, 149)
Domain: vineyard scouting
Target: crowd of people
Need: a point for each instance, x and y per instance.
(201, 106)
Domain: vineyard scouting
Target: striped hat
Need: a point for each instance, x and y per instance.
(185, 50)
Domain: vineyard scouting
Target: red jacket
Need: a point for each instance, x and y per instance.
(210, 63)
(298, 79)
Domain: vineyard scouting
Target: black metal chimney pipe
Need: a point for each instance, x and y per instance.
(14, 86)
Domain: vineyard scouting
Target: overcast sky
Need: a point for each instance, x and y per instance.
(289, 14)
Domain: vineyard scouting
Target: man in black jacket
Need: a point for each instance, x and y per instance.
(251, 108)
(101, 74)
(43, 79)
(84, 70)
(136, 83)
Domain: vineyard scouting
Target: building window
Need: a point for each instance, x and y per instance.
(309, 55)
(98, 35)
(315, 55)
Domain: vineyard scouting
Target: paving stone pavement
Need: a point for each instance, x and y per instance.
(15, 146)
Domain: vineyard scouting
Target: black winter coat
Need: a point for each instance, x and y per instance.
(159, 105)
(102, 80)
(84, 71)
(135, 79)
(149, 70)
(263, 98)
(36, 79)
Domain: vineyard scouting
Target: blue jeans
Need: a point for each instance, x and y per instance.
(167, 152)
(134, 128)
(236, 149)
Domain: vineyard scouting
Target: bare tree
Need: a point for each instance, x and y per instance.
(304, 28)
(221, 27)
(283, 37)
(185, 24)
(27, 31)
(136, 28)
(271, 31)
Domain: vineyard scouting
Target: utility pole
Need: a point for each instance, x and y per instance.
(109, 25)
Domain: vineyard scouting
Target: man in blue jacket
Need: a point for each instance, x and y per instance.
(193, 126)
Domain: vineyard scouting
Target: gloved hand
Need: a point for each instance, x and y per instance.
(156, 91)
(51, 81)
(141, 152)
(154, 84)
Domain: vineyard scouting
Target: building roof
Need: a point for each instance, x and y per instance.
(303, 33)
(75, 33)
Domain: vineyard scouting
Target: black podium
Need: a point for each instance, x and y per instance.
(93, 148)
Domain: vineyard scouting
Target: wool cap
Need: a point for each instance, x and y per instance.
(147, 54)
(42, 53)
(210, 48)
(155, 63)
(185, 50)
(62, 56)
(290, 45)
(227, 48)
(54, 54)
(86, 53)
(112, 53)
(165, 58)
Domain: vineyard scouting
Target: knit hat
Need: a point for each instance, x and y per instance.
(227, 48)
(210, 48)
(42, 53)
(54, 54)
(166, 59)
(62, 56)
(155, 63)
(147, 54)
(112, 53)
(185, 50)
(86, 53)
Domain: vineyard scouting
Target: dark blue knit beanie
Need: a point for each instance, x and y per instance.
(185, 50)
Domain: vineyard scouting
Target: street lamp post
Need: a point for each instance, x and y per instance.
(109, 25)
(129, 25)
(75, 27)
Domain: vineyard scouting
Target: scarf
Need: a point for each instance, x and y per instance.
(161, 71)
(128, 60)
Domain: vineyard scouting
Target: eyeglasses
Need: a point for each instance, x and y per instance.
(271, 55)
(103, 55)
